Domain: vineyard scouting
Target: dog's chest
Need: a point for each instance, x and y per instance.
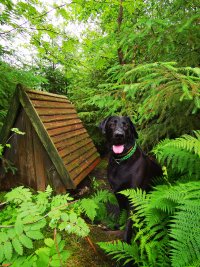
(124, 176)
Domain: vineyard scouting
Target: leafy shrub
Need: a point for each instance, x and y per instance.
(26, 216)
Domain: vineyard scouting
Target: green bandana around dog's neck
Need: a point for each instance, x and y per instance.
(128, 155)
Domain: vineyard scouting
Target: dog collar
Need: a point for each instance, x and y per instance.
(128, 155)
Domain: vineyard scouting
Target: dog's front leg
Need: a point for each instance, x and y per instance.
(129, 227)
(124, 205)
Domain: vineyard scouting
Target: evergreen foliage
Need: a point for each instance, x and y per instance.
(138, 59)
(10, 77)
(159, 96)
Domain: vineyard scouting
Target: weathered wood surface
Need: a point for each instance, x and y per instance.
(73, 139)
(44, 137)
(86, 171)
(54, 118)
(67, 133)
(56, 148)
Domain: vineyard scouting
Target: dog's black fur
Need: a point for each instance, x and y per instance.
(134, 172)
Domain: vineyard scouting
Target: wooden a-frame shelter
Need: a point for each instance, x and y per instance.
(56, 148)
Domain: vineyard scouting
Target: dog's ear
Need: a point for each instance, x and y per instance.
(102, 125)
(133, 130)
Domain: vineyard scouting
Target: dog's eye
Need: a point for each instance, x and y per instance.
(125, 125)
(112, 124)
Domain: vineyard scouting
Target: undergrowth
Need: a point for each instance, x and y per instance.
(25, 219)
(166, 220)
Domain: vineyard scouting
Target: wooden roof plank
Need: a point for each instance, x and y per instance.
(86, 171)
(58, 124)
(43, 94)
(71, 140)
(65, 129)
(68, 158)
(78, 162)
(54, 118)
(62, 136)
(75, 172)
(50, 104)
(69, 150)
(54, 111)
(73, 143)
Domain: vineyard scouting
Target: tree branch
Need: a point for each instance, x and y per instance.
(40, 16)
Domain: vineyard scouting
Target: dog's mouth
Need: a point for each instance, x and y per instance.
(118, 149)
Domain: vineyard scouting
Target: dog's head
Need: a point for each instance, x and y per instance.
(119, 131)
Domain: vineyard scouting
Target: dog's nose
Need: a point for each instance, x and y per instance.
(118, 134)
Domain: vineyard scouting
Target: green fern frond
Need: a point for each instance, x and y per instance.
(104, 196)
(186, 234)
(186, 142)
(182, 154)
(138, 198)
(121, 251)
(167, 222)
(89, 207)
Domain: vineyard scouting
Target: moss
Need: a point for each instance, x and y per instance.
(84, 255)
(2, 198)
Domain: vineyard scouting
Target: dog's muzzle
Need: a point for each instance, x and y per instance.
(119, 135)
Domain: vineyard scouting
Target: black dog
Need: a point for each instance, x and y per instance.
(129, 167)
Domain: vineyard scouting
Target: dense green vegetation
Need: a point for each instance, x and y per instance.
(166, 219)
(136, 58)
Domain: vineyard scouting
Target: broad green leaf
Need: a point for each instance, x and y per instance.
(90, 208)
(18, 227)
(49, 242)
(55, 263)
(11, 233)
(1, 253)
(43, 260)
(8, 250)
(38, 225)
(17, 131)
(26, 241)
(65, 254)
(42, 251)
(3, 237)
(37, 235)
(17, 246)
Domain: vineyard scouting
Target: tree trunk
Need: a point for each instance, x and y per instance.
(119, 21)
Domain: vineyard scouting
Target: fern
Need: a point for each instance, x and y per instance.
(95, 206)
(90, 208)
(121, 250)
(181, 154)
(167, 224)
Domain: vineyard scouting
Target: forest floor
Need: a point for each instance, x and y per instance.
(86, 253)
